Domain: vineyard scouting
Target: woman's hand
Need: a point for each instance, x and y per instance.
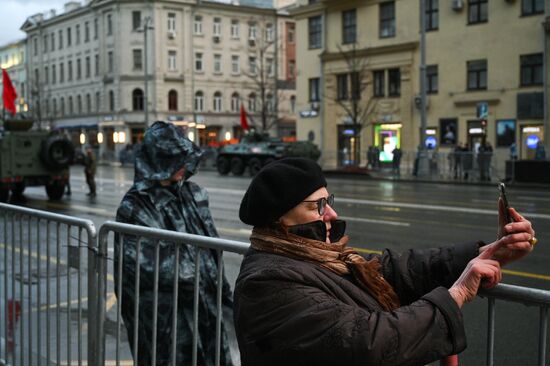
(520, 232)
(481, 270)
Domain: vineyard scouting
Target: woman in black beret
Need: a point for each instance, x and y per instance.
(304, 298)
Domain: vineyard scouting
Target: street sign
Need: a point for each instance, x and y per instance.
(482, 110)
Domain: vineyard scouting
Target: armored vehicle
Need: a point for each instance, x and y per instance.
(33, 158)
(257, 150)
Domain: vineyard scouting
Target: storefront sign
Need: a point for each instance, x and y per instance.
(532, 141)
(308, 114)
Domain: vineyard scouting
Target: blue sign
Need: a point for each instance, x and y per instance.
(532, 141)
(482, 110)
(431, 142)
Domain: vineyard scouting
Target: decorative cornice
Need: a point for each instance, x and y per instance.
(370, 51)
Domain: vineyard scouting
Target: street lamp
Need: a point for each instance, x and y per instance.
(146, 26)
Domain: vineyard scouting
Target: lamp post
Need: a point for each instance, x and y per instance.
(422, 154)
(146, 27)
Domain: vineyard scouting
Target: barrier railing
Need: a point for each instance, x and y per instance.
(139, 233)
(38, 299)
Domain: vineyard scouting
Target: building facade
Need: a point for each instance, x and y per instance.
(107, 69)
(12, 59)
(358, 79)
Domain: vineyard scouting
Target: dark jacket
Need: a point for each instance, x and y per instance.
(290, 312)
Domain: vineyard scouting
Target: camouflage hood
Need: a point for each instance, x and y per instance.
(164, 151)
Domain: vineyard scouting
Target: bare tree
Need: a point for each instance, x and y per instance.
(349, 92)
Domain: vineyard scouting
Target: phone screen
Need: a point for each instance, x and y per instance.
(502, 189)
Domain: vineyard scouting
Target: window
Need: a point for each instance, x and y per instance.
(270, 67)
(88, 67)
(96, 63)
(269, 32)
(62, 106)
(86, 31)
(198, 62)
(234, 28)
(349, 26)
(138, 59)
(378, 83)
(111, 101)
(54, 107)
(291, 33)
(235, 102)
(61, 72)
(197, 25)
(269, 103)
(477, 11)
(171, 22)
(199, 101)
(79, 104)
(355, 81)
(172, 60)
(60, 39)
(44, 45)
(432, 15)
(217, 63)
(110, 61)
(252, 102)
(97, 101)
(293, 103)
(315, 30)
(54, 74)
(35, 46)
(110, 26)
(77, 34)
(314, 90)
(71, 105)
(342, 87)
(531, 69)
(530, 7)
(252, 65)
(477, 75)
(235, 64)
(172, 100)
(217, 101)
(217, 26)
(252, 30)
(88, 103)
(137, 99)
(52, 42)
(291, 70)
(432, 79)
(136, 20)
(96, 28)
(387, 19)
(394, 84)
(70, 70)
(69, 38)
(78, 69)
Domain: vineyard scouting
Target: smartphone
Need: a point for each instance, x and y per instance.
(502, 189)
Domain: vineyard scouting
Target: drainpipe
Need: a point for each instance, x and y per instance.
(322, 85)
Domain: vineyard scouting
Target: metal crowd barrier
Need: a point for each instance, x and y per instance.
(37, 300)
(178, 239)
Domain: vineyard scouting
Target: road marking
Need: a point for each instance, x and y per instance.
(373, 221)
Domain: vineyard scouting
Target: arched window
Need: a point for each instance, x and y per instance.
(252, 102)
(79, 103)
(88, 103)
(71, 106)
(269, 105)
(217, 101)
(137, 100)
(62, 106)
(235, 102)
(172, 100)
(54, 107)
(293, 103)
(111, 101)
(199, 101)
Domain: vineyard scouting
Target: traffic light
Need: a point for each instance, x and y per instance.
(483, 123)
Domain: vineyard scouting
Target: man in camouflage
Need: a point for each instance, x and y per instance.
(163, 197)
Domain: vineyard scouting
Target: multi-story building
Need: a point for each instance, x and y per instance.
(108, 69)
(12, 59)
(358, 81)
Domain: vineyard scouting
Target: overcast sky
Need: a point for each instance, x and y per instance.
(13, 14)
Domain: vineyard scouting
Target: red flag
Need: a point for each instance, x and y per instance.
(244, 123)
(9, 95)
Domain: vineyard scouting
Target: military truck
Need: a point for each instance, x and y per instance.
(256, 150)
(33, 158)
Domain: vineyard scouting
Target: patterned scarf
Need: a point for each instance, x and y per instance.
(334, 257)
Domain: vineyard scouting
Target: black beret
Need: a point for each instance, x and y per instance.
(279, 187)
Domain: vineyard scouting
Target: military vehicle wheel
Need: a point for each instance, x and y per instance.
(222, 163)
(4, 194)
(268, 161)
(55, 190)
(237, 166)
(255, 165)
(18, 189)
(57, 152)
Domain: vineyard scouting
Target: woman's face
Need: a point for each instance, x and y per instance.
(306, 212)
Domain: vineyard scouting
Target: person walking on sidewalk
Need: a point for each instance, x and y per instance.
(303, 297)
(163, 197)
(90, 167)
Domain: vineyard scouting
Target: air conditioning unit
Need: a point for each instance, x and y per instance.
(457, 5)
(252, 42)
(171, 34)
(216, 39)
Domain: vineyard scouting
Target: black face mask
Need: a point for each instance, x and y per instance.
(317, 230)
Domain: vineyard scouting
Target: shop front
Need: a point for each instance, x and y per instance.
(531, 135)
(349, 145)
(387, 136)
